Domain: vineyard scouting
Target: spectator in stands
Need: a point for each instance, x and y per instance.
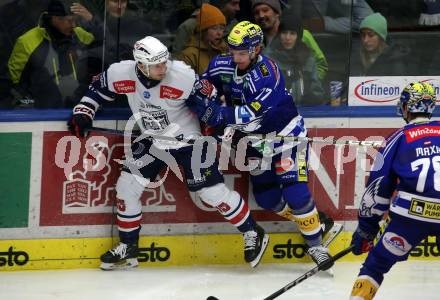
(336, 16)
(16, 17)
(401, 15)
(122, 28)
(229, 8)
(297, 63)
(267, 15)
(409, 14)
(376, 57)
(207, 40)
(42, 63)
(96, 59)
(430, 15)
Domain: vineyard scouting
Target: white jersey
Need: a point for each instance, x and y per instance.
(160, 109)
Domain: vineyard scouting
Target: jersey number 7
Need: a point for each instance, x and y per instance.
(426, 163)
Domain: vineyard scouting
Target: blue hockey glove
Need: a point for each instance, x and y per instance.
(202, 94)
(203, 101)
(81, 120)
(362, 241)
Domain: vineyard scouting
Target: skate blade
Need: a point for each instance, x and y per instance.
(123, 265)
(332, 234)
(256, 261)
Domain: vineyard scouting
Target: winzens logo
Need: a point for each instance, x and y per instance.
(153, 254)
(289, 250)
(11, 257)
(426, 249)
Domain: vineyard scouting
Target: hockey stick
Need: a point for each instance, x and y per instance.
(303, 277)
(190, 141)
(136, 134)
(309, 273)
(330, 236)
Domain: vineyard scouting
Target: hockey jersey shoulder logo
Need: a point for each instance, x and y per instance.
(168, 92)
(371, 198)
(263, 69)
(124, 86)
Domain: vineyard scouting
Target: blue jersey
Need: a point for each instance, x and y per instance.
(257, 100)
(411, 167)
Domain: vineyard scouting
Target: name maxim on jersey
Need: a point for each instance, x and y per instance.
(427, 151)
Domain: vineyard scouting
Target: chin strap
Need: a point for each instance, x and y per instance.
(147, 68)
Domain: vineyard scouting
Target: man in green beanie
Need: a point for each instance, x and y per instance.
(376, 57)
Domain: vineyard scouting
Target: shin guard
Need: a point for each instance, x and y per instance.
(229, 204)
(309, 226)
(364, 288)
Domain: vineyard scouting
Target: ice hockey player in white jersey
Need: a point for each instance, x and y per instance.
(156, 88)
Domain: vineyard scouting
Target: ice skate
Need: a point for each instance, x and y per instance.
(255, 243)
(122, 256)
(330, 229)
(321, 257)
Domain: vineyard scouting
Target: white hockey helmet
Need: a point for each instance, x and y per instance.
(150, 51)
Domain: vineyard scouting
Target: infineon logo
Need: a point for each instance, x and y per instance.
(377, 91)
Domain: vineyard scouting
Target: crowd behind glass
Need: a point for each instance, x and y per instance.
(52, 49)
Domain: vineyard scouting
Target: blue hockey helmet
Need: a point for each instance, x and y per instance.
(419, 97)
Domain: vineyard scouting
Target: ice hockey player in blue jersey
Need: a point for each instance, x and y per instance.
(156, 88)
(257, 102)
(408, 165)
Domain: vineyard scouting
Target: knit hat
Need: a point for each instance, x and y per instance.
(274, 4)
(208, 16)
(289, 22)
(59, 8)
(377, 23)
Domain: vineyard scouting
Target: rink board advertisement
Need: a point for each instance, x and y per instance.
(15, 172)
(154, 251)
(71, 195)
(62, 216)
(383, 90)
(162, 251)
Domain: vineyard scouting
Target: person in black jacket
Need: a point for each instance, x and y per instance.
(42, 65)
(16, 17)
(376, 56)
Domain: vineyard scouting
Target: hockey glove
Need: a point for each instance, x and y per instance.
(81, 120)
(203, 95)
(362, 241)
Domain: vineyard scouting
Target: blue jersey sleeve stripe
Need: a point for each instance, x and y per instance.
(252, 85)
(391, 143)
(230, 69)
(221, 72)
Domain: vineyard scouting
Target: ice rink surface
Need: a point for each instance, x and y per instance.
(408, 280)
